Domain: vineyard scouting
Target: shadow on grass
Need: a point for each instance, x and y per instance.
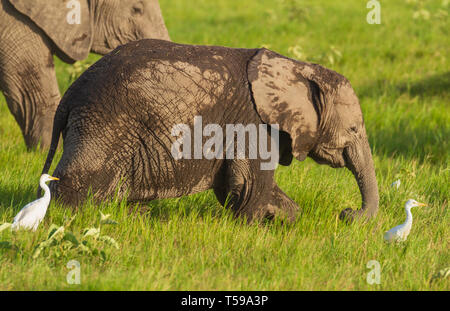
(201, 205)
(205, 207)
(15, 198)
(435, 85)
(425, 143)
(407, 136)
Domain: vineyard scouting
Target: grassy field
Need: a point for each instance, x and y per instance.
(401, 73)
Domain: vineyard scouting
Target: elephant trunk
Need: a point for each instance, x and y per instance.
(158, 29)
(359, 161)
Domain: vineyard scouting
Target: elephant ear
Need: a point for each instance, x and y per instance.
(53, 16)
(283, 96)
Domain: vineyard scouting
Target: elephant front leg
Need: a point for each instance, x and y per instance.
(31, 90)
(252, 193)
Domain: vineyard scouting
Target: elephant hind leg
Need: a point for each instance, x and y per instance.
(252, 193)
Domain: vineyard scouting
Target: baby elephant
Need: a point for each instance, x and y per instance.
(127, 124)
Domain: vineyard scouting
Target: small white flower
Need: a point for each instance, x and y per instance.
(396, 184)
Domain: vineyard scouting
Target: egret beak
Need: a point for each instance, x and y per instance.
(421, 204)
(54, 178)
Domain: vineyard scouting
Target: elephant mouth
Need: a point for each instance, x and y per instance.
(345, 157)
(334, 157)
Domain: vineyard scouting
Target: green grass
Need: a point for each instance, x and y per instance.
(400, 72)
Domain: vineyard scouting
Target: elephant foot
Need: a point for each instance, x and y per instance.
(282, 207)
(349, 215)
(285, 216)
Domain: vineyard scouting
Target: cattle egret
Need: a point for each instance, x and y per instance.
(32, 214)
(401, 232)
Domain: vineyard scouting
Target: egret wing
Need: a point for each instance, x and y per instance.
(26, 210)
(393, 233)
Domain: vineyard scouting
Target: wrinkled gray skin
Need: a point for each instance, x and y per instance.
(116, 122)
(32, 31)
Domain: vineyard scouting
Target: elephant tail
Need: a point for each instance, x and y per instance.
(59, 123)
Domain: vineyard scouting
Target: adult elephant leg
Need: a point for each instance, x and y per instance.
(34, 111)
(252, 192)
(28, 81)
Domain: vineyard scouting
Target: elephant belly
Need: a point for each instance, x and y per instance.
(179, 187)
(161, 176)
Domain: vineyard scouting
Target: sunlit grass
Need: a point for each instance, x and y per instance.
(400, 72)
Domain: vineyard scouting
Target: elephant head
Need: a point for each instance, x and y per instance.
(320, 112)
(78, 27)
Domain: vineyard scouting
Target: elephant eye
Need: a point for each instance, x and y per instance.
(138, 9)
(354, 129)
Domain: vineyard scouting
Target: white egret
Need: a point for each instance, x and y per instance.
(32, 214)
(401, 232)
